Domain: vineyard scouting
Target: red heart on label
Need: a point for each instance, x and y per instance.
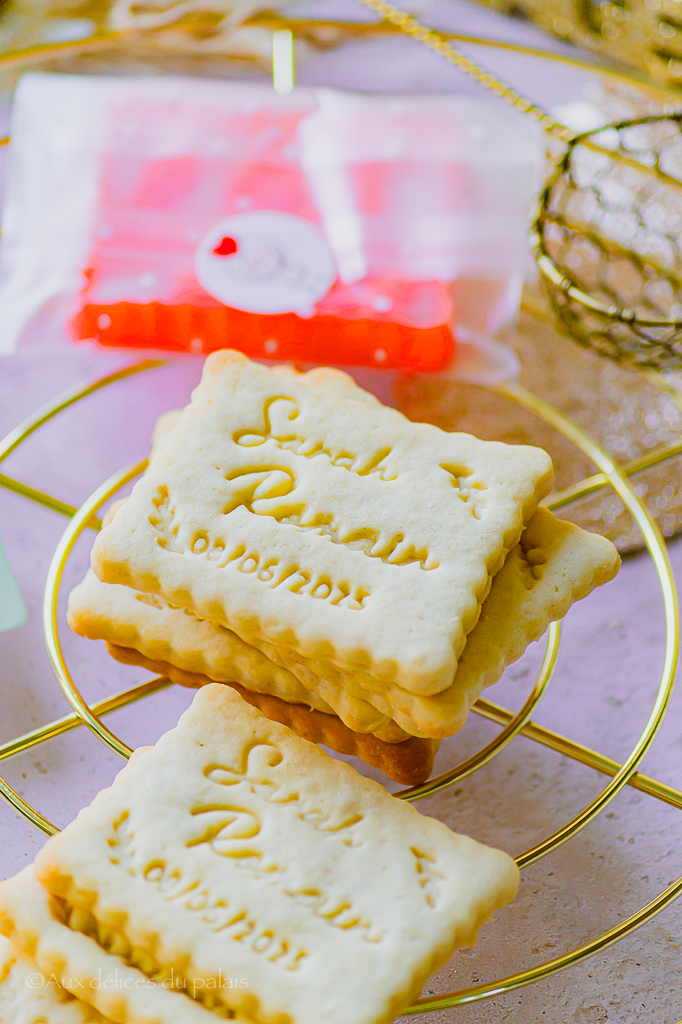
(226, 247)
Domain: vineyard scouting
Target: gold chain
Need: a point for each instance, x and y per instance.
(440, 45)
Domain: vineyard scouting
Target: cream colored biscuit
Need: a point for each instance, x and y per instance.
(42, 929)
(327, 381)
(236, 848)
(333, 528)
(113, 613)
(146, 623)
(324, 380)
(518, 610)
(127, 618)
(29, 996)
(408, 760)
(555, 565)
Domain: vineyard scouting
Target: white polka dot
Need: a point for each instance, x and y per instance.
(380, 356)
(271, 346)
(103, 321)
(196, 346)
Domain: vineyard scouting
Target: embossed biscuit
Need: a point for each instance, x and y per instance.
(524, 599)
(145, 622)
(113, 613)
(408, 762)
(236, 847)
(331, 527)
(328, 381)
(44, 930)
(130, 619)
(126, 618)
(555, 564)
(29, 996)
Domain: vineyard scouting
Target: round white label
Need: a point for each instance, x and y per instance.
(265, 261)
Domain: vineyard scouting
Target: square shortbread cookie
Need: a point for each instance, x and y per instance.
(328, 526)
(554, 565)
(127, 618)
(145, 622)
(43, 930)
(29, 996)
(235, 847)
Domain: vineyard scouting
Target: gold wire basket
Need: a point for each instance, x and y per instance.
(513, 725)
(647, 34)
(608, 241)
(608, 231)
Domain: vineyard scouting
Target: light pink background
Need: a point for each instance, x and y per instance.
(610, 663)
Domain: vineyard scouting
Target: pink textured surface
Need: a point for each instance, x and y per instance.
(603, 690)
(610, 662)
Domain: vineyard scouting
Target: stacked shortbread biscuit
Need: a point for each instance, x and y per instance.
(357, 578)
(236, 870)
(296, 538)
(30, 996)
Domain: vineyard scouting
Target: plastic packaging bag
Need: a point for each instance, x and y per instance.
(322, 227)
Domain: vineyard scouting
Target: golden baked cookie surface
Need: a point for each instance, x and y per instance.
(329, 526)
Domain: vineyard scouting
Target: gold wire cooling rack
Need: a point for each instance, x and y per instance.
(608, 474)
(513, 725)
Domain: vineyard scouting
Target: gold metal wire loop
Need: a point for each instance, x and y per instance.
(560, 963)
(658, 552)
(51, 602)
(503, 738)
(11, 442)
(515, 724)
(439, 44)
(69, 397)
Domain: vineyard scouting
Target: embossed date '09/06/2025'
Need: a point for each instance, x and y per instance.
(290, 577)
(268, 569)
